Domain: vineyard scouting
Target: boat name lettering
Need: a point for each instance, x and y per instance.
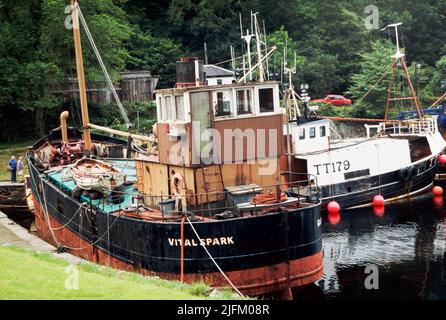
(332, 167)
(221, 241)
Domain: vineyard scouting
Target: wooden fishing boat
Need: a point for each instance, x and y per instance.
(95, 175)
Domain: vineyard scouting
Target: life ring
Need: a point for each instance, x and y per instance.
(178, 185)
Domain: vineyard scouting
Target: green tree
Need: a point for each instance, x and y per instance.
(156, 54)
(373, 66)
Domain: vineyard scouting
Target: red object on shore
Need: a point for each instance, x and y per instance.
(335, 100)
(437, 191)
(378, 200)
(442, 158)
(333, 207)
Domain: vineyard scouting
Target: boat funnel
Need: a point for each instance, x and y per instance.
(190, 72)
(63, 126)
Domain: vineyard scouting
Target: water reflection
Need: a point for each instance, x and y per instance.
(406, 241)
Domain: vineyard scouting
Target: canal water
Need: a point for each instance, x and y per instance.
(406, 242)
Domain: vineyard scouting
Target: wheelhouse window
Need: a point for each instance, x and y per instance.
(301, 133)
(162, 109)
(179, 108)
(168, 106)
(244, 101)
(266, 100)
(322, 131)
(312, 132)
(222, 103)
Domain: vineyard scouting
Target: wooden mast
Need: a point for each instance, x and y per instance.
(80, 75)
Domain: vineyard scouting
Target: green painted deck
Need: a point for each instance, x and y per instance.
(68, 185)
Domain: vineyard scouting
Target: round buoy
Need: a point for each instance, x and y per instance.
(334, 217)
(442, 158)
(437, 191)
(333, 207)
(379, 211)
(378, 200)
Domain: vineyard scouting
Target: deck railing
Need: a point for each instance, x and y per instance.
(404, 127)
(300, 188)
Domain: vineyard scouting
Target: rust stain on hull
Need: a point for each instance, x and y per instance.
(254, 281)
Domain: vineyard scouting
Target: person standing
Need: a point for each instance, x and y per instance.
(20, 168)
(13, 168)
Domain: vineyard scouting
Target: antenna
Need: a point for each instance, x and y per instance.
(241, 27)
(398, 53)
(247, 39)
(266, 50)
(231, 47)
(205, 53)
(259, 47)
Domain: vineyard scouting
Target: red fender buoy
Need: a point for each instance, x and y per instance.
(437, 191)
(442, 158)
(333, 207)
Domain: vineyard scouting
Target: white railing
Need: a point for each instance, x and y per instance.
(405, 127)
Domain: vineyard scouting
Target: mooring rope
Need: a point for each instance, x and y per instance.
(99, 239)
(46, 214)
(213, 260)
(51, 229)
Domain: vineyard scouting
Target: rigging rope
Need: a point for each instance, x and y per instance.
(374, 86)
(210, 256)
(104, 69)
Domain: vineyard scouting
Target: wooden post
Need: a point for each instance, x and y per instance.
(80, 75)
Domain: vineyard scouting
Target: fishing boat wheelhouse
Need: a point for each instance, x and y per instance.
(188, 210)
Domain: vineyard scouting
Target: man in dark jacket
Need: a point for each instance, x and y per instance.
(13, 168)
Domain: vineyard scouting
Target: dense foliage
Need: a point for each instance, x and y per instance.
(335, 52)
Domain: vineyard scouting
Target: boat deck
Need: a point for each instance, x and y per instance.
(68, 185)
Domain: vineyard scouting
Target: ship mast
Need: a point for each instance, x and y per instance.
(80, 75)
(399, 58)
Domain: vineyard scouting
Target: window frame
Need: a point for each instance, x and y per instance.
(322, 129)
(251, 105)
(302, 134)
(312, 132)
(175, 108)
(273, 100)
(229, 94)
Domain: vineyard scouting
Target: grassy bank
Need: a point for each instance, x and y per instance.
(12, 149)
(30, 275)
